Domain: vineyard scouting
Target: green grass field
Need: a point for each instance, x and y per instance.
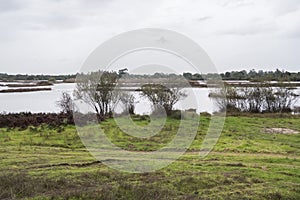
(247, 163)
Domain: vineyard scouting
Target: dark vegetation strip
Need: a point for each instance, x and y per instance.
(24, 120)
(24, 90)
(42, 83)
(247, 84)
(12, 77)
(21, 85)
(267, 84)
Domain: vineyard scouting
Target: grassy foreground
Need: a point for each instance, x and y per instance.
(247, 163)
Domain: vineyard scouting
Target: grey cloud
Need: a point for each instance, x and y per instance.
(95, 2)
(244, 31)
(295, 33)
(200, 19)
(52, 21)
(10, 5)
(283, 7)
(253, 27)
(291, 32)
(237, 3)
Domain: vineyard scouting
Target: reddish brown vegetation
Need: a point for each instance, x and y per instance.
(24, 120)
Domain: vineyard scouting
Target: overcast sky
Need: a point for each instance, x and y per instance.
(56, 36)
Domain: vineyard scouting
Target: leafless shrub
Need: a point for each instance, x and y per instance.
(259, 98)
(66, 103)
(162, 96)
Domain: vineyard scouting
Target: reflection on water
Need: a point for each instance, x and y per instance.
(45, 101)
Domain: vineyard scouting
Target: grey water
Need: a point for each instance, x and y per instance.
(45, 101)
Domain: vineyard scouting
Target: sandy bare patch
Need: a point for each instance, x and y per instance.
(281, 131)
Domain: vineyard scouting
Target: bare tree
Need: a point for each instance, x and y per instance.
(284, 99)
(259, 98)
(129, 102)
(227, 98)
(98, 89)
(162, 96)
(66, 103)
(255, 99)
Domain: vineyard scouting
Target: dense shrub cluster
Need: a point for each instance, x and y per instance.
(256, 99)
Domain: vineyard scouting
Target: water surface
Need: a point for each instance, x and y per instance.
(45, 101)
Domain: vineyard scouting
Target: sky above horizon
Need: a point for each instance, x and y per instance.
(56, 36)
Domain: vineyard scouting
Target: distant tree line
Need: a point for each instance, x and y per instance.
(252, 75)
(190, 76)
(10, 77)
